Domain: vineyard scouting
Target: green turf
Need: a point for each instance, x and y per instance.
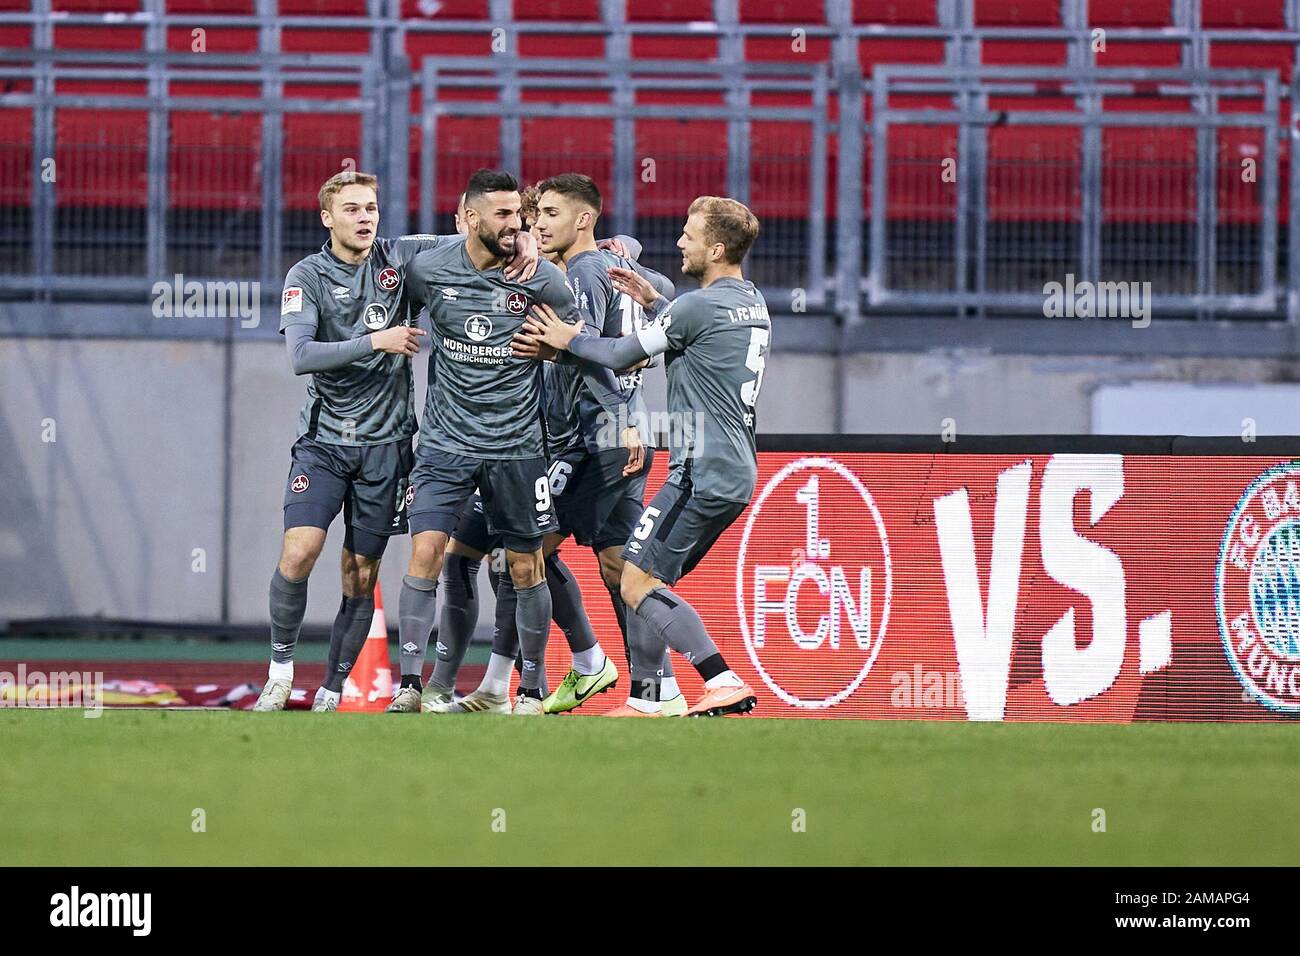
(338, 789)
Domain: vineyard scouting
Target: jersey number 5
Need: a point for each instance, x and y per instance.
(755, 362)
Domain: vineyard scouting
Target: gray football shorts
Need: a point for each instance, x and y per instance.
(369, 483)
(595, 502)
(676, 531)
(516, 495)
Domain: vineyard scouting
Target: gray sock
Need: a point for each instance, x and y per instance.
(675, 622)
(417, 609)
(288, 606)
(533, 621)
(646, 652)
(505, 635)
(458, 620)
(351, 625)
(567, 606)
(620, 612)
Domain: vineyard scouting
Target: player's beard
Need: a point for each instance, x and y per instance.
(693, 267)
(492, 242)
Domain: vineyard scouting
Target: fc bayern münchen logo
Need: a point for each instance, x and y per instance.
(1257, 588)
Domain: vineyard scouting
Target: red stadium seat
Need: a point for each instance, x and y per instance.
(782, 48)
(324, 41)
(1140, 53)
(94, 6)
(76, 37)
(880, 50)
(323, 8)
(1024, 52)
(211, 6)
(1017, 13)
(444, 9)
(901, 12)
(576, 46)
(674, 47)
(1253, 56)
(782, 11)
(1129, 13)
(1256, 14)
(670, 11)
(574, 10)
(225, 40)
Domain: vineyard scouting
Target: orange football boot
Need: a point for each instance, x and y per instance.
(721, 701)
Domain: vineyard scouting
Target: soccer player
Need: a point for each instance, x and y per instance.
(716, 339)
(347, 321)
(596, 485)
(482, 423)
(469, 544)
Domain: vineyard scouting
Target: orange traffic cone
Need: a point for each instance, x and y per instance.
(369, 688)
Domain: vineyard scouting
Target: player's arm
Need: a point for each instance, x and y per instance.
(306, 355)
(558, 299)
(544, 327)
(622, 245)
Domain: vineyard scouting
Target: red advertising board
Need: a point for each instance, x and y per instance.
(1090, 587)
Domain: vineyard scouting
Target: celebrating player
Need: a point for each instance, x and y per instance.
(597, 474)
(482, 425)
(347, 321)
(716, 339)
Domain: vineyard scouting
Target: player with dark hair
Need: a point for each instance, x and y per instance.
(482, 425)
(716, 340)
(348, 323)
(597, 473)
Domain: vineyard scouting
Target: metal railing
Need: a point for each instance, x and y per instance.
(976, 205)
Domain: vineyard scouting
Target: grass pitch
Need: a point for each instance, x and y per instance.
(301, 788)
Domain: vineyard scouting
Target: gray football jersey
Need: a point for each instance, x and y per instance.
(718, 340)
(372, 400)
(575, 414)
(483, 402)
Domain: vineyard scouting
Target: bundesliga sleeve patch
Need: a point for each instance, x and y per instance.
(291, 301)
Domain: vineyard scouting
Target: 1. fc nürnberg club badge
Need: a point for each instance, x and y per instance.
(814, 581)
(388, 279)
(1257, 588)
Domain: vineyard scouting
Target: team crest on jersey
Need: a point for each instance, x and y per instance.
(300, 484)
(1257, 586)
(516, 303)
(388, 279)
(478, 327)
(376, 316)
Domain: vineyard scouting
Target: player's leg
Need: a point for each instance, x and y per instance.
(492, 696)
(313, 495)
(611, 574)
(674, 534)
(469, 544)
(442, 483)
(517, 501)
(359, 567)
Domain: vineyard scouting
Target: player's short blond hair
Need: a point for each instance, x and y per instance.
(528, 199)
(728, 222)
(334, 185)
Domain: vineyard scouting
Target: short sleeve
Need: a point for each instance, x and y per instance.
(298, 305)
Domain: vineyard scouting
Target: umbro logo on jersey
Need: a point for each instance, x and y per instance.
(388, 279)
(410, 647)
(634, 547)
(450, 294)
(341, 292)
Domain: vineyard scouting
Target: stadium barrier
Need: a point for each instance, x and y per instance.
(1061, 578)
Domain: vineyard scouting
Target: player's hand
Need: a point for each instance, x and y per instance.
(634, 284)
(635, 452)
(522, 266)
(399, 340)
(524, 347)
(615, 246)
(544, 326)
